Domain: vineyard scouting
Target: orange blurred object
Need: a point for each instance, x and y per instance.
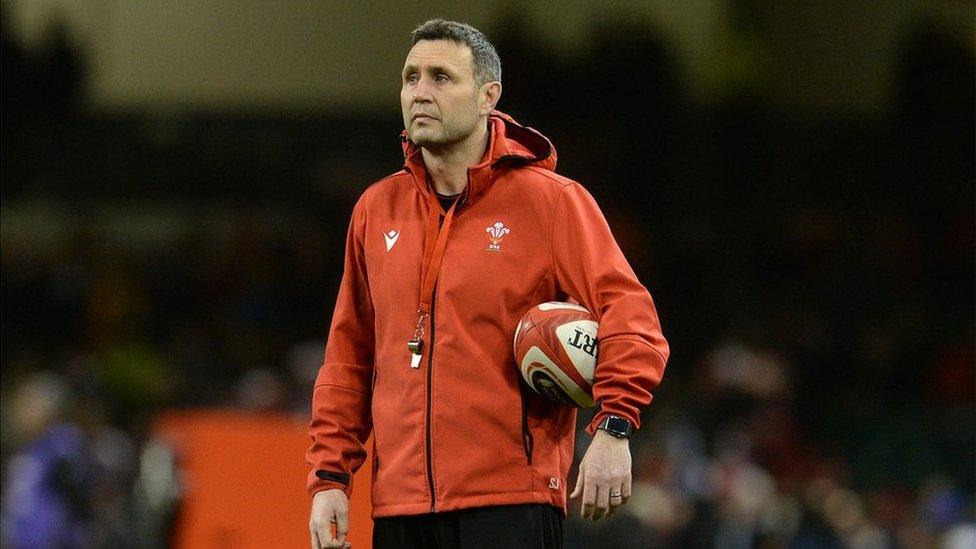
(243, 477)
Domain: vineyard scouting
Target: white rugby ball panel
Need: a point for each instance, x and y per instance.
(554, 305)
(578, 340)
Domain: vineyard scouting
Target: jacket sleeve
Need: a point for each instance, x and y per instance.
(590, 267)
(341, 422)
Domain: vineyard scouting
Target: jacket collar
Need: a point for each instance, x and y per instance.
(509, 144)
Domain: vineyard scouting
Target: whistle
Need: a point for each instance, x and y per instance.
(416, 346)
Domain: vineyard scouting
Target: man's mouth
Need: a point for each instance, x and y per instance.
(422, 116)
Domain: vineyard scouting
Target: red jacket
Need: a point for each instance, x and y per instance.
(460, 431)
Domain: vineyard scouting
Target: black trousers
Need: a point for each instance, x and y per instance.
(532, 526)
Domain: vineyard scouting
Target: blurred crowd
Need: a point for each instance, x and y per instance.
(755, 479)
(813, 271)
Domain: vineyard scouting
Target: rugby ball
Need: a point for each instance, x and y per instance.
(556, 350)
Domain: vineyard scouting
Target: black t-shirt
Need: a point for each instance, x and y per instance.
(447, 200)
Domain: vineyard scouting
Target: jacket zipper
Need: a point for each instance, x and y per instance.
(430, 379)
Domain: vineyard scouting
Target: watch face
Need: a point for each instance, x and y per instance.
(618, 425)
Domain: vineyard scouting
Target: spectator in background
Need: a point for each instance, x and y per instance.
(46, 483)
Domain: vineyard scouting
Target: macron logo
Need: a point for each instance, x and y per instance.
(391, 239)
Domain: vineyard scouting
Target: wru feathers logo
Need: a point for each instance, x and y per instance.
(496, 233)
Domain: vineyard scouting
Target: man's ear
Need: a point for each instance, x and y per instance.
(491, 92)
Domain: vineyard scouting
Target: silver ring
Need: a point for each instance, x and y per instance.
(616, 495)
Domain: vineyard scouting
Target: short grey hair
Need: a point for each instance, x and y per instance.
(485, 62)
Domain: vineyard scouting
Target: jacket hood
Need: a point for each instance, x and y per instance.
(510, 144)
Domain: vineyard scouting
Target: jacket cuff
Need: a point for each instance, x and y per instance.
(629, 370)
(322, 480)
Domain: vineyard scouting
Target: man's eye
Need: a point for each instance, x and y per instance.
(442, 77)
(412, 77)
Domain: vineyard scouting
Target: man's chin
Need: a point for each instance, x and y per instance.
(425, 139)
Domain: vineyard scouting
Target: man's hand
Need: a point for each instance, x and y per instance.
(330, 507)
(604, 476)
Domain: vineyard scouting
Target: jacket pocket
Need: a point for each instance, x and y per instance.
(528, 441)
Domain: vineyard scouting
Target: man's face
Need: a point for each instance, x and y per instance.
(441, 102)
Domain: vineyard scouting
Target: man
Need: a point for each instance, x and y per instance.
(47, 480)
(442, 260)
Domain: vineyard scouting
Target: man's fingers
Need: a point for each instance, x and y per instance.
(321, 535)
(602, 502)
(625, 489)
(615, 499)
(325, 536)
(342, 525)
(329, 519)
(579, 485)
(589, 500)
(327, 533)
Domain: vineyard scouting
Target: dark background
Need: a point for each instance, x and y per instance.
(812, 262)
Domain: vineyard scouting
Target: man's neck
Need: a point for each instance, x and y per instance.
(448, 168)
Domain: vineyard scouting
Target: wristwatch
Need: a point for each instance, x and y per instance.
(616, 426)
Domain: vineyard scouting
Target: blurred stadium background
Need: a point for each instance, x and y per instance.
(792, 180)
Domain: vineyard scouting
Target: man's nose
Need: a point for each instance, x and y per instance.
(421, 92)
